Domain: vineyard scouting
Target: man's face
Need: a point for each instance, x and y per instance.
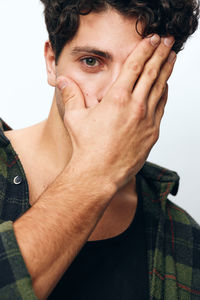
(94, 58)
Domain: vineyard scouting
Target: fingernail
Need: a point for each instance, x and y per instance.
(62, 84)
(169, 41)
(155, 40)
(172, 57)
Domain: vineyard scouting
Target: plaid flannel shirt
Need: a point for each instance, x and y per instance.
(172, 235)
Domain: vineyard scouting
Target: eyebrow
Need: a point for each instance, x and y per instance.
(91, 50)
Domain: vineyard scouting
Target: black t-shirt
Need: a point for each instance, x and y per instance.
(114, 268)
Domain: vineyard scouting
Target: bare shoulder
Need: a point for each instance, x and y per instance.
(21, 136)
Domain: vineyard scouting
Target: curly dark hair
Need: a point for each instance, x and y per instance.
(164, 17)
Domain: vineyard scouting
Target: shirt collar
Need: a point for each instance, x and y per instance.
(160, 178)
(4, 127)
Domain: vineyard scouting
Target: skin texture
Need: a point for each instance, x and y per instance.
(94, 149)
(95, 82)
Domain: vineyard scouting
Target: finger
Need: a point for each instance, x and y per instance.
(161, 108)
(152, 70)
(135, 63)
(160, 85)
(72, 96)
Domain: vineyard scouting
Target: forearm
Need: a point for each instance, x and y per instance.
(53, 231)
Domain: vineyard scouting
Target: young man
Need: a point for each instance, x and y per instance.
(82, 215)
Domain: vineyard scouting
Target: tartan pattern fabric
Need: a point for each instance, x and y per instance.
(173, 238)
(15, 281)
(172, 235)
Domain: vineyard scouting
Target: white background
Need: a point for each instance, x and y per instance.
(25, 96)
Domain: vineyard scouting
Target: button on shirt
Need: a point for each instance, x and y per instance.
(17, 180)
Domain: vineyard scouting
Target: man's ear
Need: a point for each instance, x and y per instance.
(50, 63)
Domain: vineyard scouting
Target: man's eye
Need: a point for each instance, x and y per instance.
(90, 61)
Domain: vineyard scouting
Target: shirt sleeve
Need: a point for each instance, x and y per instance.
(15, 280)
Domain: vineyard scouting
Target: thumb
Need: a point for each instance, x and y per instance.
(72, 95)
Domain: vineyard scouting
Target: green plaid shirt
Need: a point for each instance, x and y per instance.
(172, 235)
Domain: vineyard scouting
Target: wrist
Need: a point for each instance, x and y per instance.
(85, 176)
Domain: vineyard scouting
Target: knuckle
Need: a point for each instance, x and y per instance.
(140, 111)
(162, 53)
(152, 72)
(159, 88)
(120, 97)
(135, 67)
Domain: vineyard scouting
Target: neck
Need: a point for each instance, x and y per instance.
(55, 140)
